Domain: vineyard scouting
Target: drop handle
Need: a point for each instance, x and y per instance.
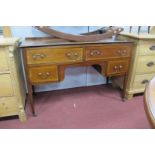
(95, 52)
(150, 64)
(145, 81)
(152, 48)
(120, 66)
(35, 56)
(122, 52)
(116, 68)
(44, 75)
(72, 55)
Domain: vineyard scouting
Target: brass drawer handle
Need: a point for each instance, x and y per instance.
(150, 64)
(145, 81)
(72, 55)
(152, 48)
(116, 68)
(35, 56)
(120, 66)
(95, 52)
(122, 52)
(44, 75)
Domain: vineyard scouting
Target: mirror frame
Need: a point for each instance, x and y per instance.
(7, 31)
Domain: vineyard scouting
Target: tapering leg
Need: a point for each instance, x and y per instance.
(124, 87)
(30, 97)
(33, 90)
(107, 80)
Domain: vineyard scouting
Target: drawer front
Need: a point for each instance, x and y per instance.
(107, 51)
(54, 55)
(146, 64)
(8, 106)
(117, 67)
(3, 60)
(43, 74)
(141, 81)
(6, 88)
(146, 48)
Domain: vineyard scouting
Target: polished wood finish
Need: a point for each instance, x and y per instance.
(100, 52)
(54, 55)
(83, 37)
(43, 74)
(117, 67)
(46, 62)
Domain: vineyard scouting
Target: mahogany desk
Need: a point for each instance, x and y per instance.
(45, 60)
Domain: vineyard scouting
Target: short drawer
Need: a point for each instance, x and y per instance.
(43, 74)
(107, 51)
(8, 106)
(117, 67)
(141, 81)
(6, 88)
(146, 48)
(146, 64)
(3, 60)
(54, 55)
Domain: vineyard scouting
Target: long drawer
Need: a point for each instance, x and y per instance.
(141, 81)
(107, 51)
(43, 74)
(146, 64)
(3, 60)
(54, 55)
(146, 48)
(8, 106)
(6, 87)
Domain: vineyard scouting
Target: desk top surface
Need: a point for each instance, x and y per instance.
(39, 42)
